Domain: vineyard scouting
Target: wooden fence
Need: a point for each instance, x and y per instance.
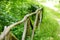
(7, 35)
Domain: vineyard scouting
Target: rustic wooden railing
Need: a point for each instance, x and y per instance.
(7, 35)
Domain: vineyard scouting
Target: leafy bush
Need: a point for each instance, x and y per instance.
(12, 11)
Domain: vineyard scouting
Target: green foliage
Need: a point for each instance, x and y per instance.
(57, 6)
(12, 11)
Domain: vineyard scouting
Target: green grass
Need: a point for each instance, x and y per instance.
(53, 12)
(48, 27)
(57, 6)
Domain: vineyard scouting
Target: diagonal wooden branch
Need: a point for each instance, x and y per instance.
(6, 30)
(34, 28)
(25, 30)
(35, 24)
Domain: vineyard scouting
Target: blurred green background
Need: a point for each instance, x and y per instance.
(12, 11)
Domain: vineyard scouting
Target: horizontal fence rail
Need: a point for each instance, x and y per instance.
(7, 29)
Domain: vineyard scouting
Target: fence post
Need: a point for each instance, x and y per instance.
(7, 37)
(28, 27)
(36, 23)
(10, 36)
(25, 29)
